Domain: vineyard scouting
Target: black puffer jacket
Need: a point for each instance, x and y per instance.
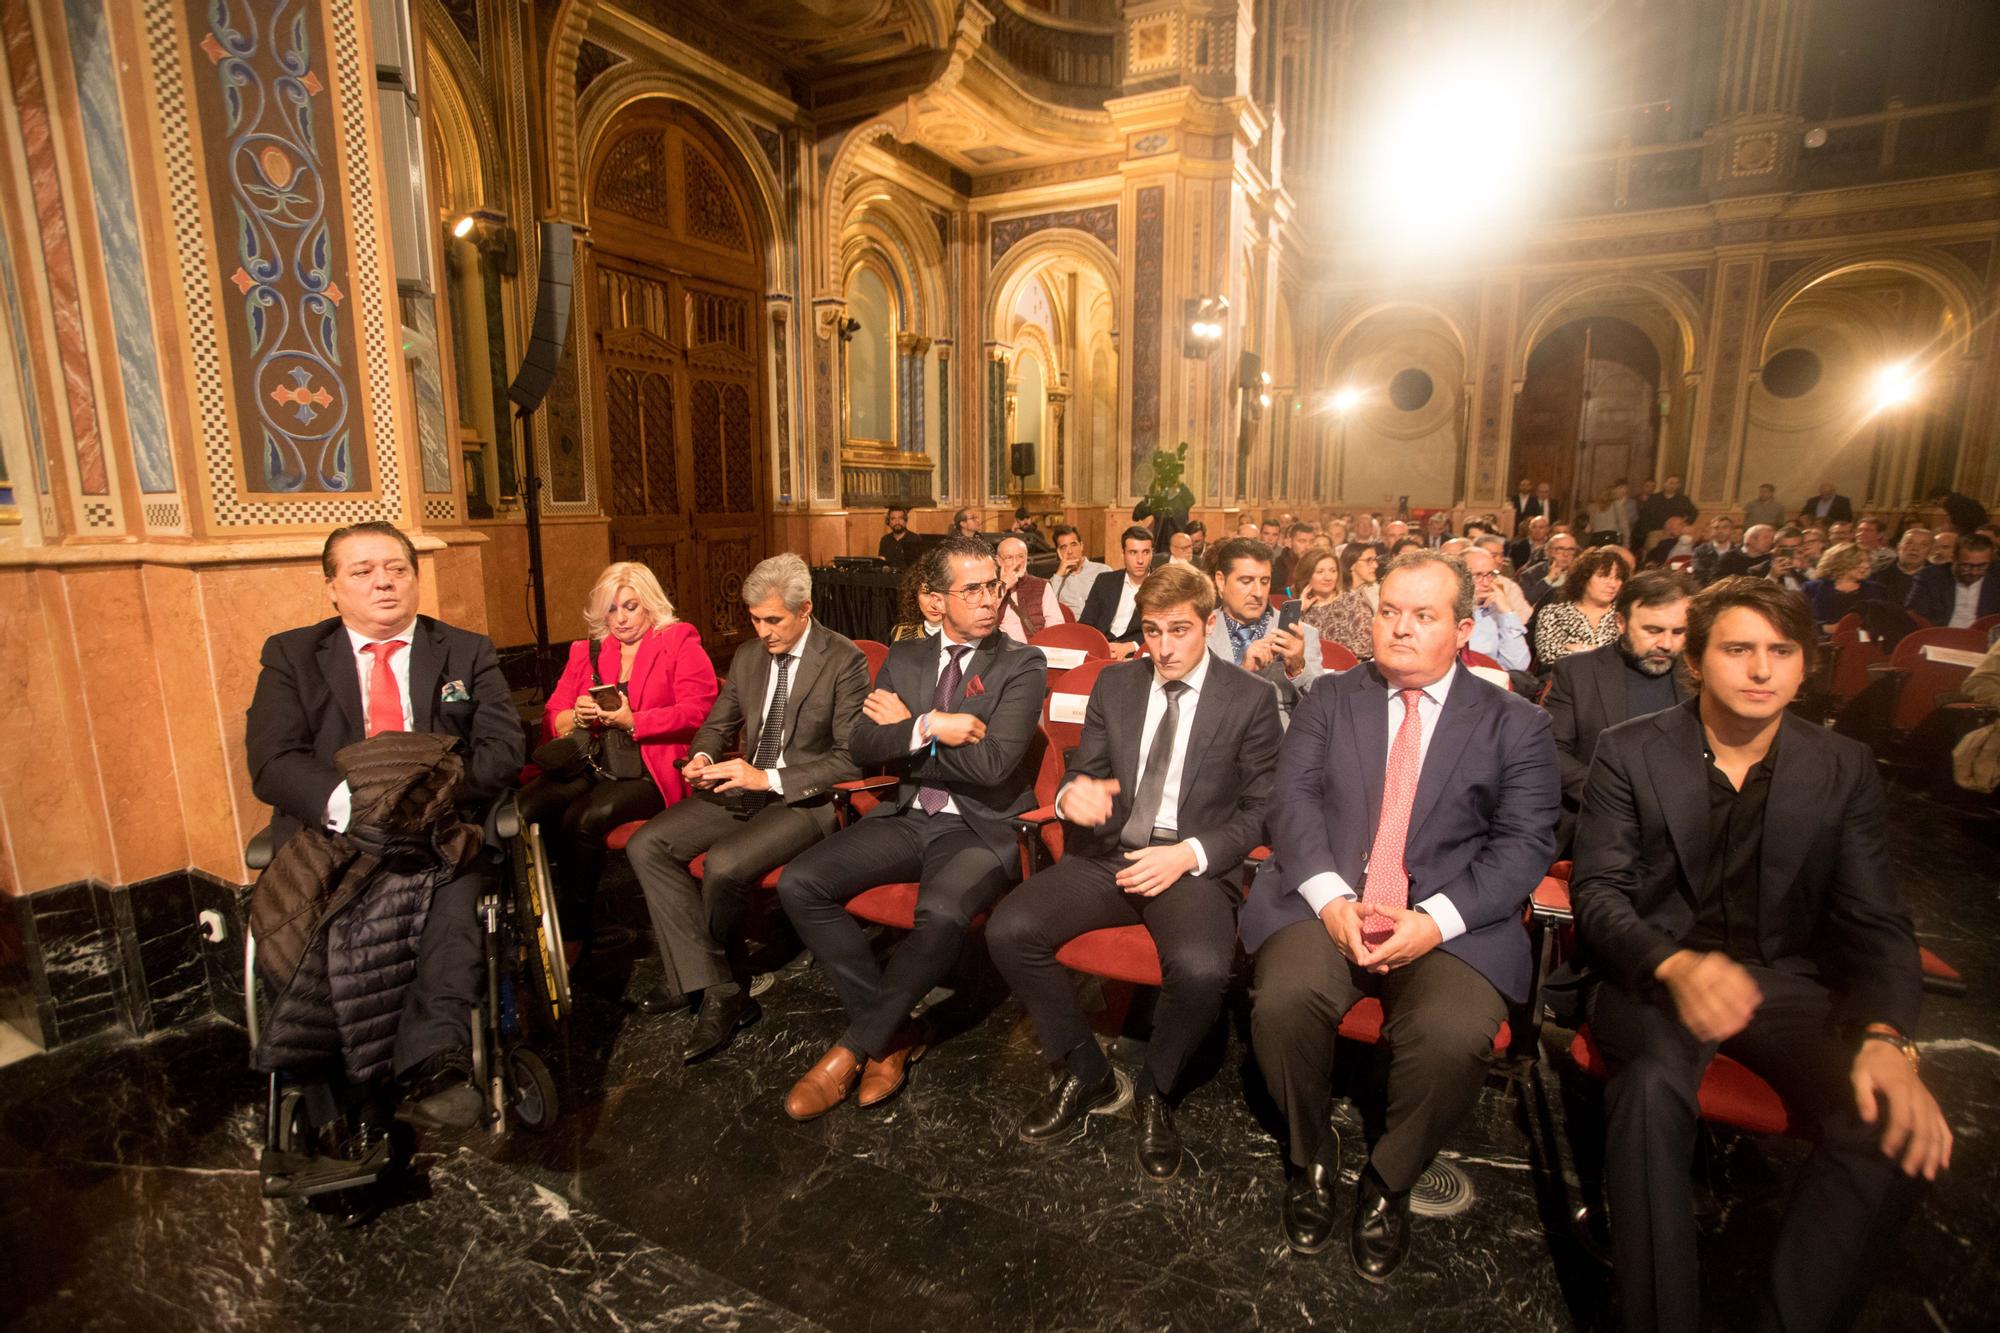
(340, 916)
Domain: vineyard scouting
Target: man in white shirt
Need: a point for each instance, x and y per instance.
(1076, 572)
(1500, 613)
(1110, 607)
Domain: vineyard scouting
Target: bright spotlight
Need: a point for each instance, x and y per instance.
(1343, 401)
(1895, 384)
(1263, 400)
(463, 227)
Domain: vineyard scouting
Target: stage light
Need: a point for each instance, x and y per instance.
(1263, 400)
(1895, 384)
(1341, 402)
(463, 227)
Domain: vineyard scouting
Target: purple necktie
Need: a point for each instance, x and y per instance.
(933, 799)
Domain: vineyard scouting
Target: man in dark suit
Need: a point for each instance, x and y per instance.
(1526, 505)
(379, 666)
(1164, 798)
(955, 715)
(1966, 590)
(793, 694)
(1965, 514)
(1829, 506)
(1733, 894)
(1594, 691)
(1111, 606)
(1527, 547)
(1413, 814)
(898, 545)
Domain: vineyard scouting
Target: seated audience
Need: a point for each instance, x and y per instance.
(1319, 581)
(912, 621)
(1868, 536)
(1676, 549)
(1900, 575)
(1437, 529)
(965, 522)
(1839, 584)
(1395, 530)
(898, 545)
(1526, 548)
(1349, 618)
(1582, 618)
(1608, 523)
(1787, 562)
(1812, 545)
(1269, 531)
(376, 666)
(1733, 894)
(1110, 609)
(1753, 557)
(1180, 550)
(1159, 816)
(955, 719)
(654, 662)
(1944, 547)
(1246, 632)
(1334, 533)
(1839, 534)
(1247, 528)
(1399, 879)
(1299, 538)
(1075, 572)
(1404, 543)
(1028, 605)
(789, 703)
(1966, 591)
(1589, 693)
(1721, 542)
(1197, 532)
(1542, 580)
(1499, 612)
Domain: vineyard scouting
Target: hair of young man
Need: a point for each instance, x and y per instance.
(1784, 610)
(1171, 586)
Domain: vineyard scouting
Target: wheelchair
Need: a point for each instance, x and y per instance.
(336, 1146)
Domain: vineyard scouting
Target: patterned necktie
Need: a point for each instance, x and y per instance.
(1138, 830)
(1388, 883)
(770, 738)
(385, 701)
(1241, 636)
(933, 799)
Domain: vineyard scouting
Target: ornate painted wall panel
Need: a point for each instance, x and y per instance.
(1100, 222)
(1148, 275)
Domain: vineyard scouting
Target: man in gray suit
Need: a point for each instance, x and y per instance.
(1249, 631)
(794, 694)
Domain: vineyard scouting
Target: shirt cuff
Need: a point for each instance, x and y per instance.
(1449, 923)
(919, 732)
(1200, 856)
(1062, 791)
(777, 783)
(339, 809)
(1323, 888)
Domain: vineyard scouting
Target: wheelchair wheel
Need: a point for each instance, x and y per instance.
(540, 929)
(532, 1090)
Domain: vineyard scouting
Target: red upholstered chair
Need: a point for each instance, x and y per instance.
(1730, 1094)
(876, 653)
(1852, 652)
(1985, 625)
(1335, 657)
(1066, 697)
(1923, 678)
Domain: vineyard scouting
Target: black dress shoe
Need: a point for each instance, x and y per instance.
(441, 1095)
(720, 1021)
(1309, 1210)
(1381, 1234)
(660, 1000)
(1159, 1141)
(1065, 1106)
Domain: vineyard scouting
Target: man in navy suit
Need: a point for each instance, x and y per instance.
(1966, 590)
(1414, 812)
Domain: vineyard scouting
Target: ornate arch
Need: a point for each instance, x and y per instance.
(1677, 300)
(875, 209)
(840, 178)
(1329, 361)
(1026, 257)
(565, 159)
(1956, 285)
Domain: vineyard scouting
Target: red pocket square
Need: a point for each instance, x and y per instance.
(974, 688)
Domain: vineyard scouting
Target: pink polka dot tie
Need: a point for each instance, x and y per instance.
(1388, 883)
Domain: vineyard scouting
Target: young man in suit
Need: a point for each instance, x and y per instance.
(379, 666)
(956, 716)
(1591, 692)
(1966, 590)
(1413, 814)
(1164, 798)
(1733, 894)
(1110, 609)
(793, 696)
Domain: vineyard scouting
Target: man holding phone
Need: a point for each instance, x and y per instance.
(1255, 635)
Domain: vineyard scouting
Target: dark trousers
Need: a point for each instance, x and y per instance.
(1849, 1201)
(698, 923)
(1439, 1017)
(437, 1008)
(959, 878)
(1193, 923)
(575, 814)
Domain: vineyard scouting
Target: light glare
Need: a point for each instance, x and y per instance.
(1895, 384)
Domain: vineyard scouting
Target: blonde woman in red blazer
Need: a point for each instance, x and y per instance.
(667, 684)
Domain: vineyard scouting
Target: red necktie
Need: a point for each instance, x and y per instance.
(1388, 882)
(385, 701)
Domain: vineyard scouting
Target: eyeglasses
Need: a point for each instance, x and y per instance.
(976, 594)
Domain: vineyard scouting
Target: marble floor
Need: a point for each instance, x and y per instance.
(671, 1197)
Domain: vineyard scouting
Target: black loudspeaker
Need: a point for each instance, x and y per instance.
(1023, 462)
(1250, 374)
(545, 343)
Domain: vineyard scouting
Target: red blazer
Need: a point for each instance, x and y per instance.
(672, 685)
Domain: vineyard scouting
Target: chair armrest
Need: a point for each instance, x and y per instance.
(507, 817)
(1040, 817)
(260, 851)
(848, 789)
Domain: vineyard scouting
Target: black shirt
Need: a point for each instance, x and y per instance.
(898, 553)
(1725, 917)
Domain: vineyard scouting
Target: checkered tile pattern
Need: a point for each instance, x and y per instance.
(441, 510)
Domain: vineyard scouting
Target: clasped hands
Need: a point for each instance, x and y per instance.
(1414, 935)
(886, 708)
(1716, 997)
(587, 714)
(726, 775)
(1086, 803)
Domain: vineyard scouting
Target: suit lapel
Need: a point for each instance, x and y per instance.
(811, 662)
(1207, 721)
(1123, 740)
(1368, 726)
(977, 663)
(756, 680)
(1680, 785)
(336, 663)
(1791, 814)
(1455, 725)
(426, 672)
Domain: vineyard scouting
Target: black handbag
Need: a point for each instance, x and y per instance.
(612, 754)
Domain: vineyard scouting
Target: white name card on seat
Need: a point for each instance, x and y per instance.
(1068, 707)
(1064, 659)
(1964, 657)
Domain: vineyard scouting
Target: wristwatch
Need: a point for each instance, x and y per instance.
(1896, 1039)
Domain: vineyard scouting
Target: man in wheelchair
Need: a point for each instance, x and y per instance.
(371, 730)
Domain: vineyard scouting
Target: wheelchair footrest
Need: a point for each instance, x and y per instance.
(289, 1175)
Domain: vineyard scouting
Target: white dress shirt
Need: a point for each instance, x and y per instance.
(1965, 603)
(340, 805)
(1323, 888)
(1073, 588)
(1128, 595)
(797, 653)
(920, 725)
(1170, 794)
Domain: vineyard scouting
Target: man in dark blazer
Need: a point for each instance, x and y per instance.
(1732, 893)
(379, 666)
(955, 716)
(1413, 786)
(1637, 674)
(1829, 506)
(793, 695)
(1108, 608)
(1966, 590)
(1163, 800)
(1527, 504)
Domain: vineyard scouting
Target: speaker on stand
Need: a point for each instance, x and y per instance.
(530, 387)
(1021, 462)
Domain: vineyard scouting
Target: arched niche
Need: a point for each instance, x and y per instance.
(874, 321)
(1388, 445)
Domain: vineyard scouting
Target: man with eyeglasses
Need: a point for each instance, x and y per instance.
(954, 717)
(1786, 564)
(1965, 591)
(1539, 580)
(1912, 557)
(1499, 612)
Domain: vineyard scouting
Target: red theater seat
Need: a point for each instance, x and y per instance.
(1730, 1093)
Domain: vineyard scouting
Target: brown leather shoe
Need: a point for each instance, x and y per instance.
(824, 1086)
(884, 1078)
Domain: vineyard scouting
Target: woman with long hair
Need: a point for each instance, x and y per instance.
(1839, 583)
(1348, 619)
(1580, 617)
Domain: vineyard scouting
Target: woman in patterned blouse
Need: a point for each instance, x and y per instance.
(1348, 619)
(1580, 617)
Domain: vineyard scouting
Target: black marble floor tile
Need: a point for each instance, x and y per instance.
(79, 966)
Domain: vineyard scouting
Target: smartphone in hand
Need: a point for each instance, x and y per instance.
(608, 698)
